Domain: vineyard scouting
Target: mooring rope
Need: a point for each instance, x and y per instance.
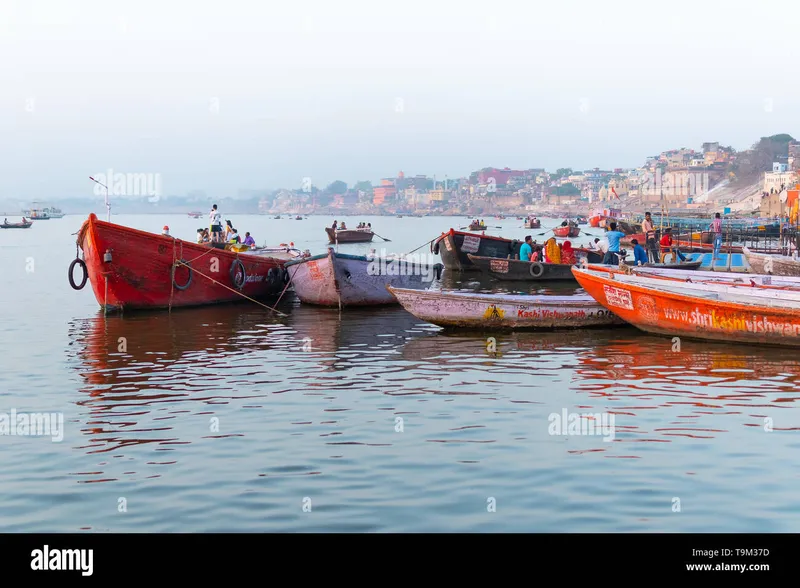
(180, 262)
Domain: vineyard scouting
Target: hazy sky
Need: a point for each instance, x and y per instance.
(224, 95)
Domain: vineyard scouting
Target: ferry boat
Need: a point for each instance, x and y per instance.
(43, 213)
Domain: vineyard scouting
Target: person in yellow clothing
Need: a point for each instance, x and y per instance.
(552, 251)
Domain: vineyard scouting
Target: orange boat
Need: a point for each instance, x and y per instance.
(135, 270)
(594, 221)
(697, 310)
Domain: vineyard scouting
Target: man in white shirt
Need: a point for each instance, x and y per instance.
(216, 224)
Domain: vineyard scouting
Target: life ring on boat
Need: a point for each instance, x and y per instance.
(437, 269)
(238, 283)
(536, 269)
(273, 275)
(285, 276)
(82, 264)
(188, 283)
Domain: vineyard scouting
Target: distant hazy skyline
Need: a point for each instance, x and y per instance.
(222, 96)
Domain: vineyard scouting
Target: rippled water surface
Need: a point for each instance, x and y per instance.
(232, 418)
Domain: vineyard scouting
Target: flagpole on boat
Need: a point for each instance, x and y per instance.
(108, 206)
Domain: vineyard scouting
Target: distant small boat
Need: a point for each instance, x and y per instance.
(298, 217)
(777, 265)
(278, 217)
(349, 235)
(333, 279)
(195, 214)
(504, 311)
(533, 223)
(523, 271)
(25, 225)
(582, 220)
(477, 227)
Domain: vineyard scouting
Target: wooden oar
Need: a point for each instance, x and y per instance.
(384, 238)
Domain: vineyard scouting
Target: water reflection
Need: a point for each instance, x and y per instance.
(139, 371)
(655, 393)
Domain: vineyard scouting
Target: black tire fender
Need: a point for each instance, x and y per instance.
(536, 269)
(191, 274)
(237, 263)
(77, 261)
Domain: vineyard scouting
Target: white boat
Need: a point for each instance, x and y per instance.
(504, 311)
(43, 213)
(779, 265)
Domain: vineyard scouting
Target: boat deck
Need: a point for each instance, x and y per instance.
(736, 264)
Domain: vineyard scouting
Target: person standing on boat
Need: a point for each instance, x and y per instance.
(650, 237)
(639, 254)
(526, 250)
(568, 254)
(613, 236)
(216, 224)
(716, 228)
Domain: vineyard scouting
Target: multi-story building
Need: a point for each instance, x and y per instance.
(779, 179)
(384, 193)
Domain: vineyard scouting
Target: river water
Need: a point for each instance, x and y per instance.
(231, 418)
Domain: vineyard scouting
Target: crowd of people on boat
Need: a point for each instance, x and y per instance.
(551, 251)
(219, 234)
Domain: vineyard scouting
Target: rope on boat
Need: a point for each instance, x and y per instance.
(181, 262)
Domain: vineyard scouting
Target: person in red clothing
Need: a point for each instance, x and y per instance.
(666, 243)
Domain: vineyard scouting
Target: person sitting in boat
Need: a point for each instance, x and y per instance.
(5, 220)
(343, 227)
(334, 225)
(226, 236)
(526, 250)
(369, 226)
(249, 241)
(537, 253)
(568, 254)
(200, 237)
(233, 237)
(165, 231)
(639, 254)
(667, 244)
(564, 224)
(552, 252)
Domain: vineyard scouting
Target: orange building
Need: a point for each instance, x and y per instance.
(386, 191)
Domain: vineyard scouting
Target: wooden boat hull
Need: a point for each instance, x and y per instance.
(140, 273)
(355, 280)
(681, 265)
(503, 311)
(16, 226)
(455, 247)
(655, 310)
(594, 221)
(533, 225)
(719, 277)
(698, 247)
(515, 270)
(474, 227)
(571, 232)
(348, 236)
(776, 265)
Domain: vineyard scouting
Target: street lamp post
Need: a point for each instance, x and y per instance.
(108, 206)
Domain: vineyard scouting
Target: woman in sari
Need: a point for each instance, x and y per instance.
(552, 253)
(568, 254)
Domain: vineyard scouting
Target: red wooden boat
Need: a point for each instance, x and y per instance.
(134, 270)
(569, 231)
(594, 221)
